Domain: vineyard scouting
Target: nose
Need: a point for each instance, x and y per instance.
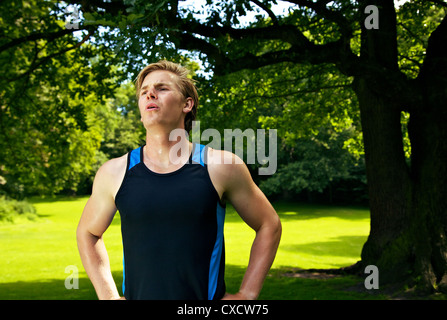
(151, 94)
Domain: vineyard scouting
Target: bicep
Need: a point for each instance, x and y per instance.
(97, 215)
(248, 200)
(100, 208)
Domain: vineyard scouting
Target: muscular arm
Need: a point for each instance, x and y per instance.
(236, 185)
(96, 218)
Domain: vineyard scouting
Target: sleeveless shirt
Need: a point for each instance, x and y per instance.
(172, 231)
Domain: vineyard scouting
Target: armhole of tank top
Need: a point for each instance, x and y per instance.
(205, 164)
(125, 175)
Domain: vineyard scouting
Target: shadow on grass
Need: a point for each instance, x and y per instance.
(48, 289)
(53, 289)
(53, 199)
(287, 284)
(280, 284)
(302, 211)
(336, 247)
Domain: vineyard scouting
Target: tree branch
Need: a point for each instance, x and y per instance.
(36, 63)
(267, 9)
(320, 8)
(310, 53)
(38, 36)
(189, 42)
(286, 33)
(295, 93)
(302, 50)
(114, 7)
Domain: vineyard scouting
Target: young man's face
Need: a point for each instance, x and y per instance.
(161, 102)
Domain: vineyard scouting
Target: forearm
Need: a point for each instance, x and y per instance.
(96, 263)
(262, 254)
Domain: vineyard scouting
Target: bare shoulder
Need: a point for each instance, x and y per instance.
(110, 175)
(114, 165)
(227, 171)
(224, 162)
(113, 168)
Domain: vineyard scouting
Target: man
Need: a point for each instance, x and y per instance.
(172, 205)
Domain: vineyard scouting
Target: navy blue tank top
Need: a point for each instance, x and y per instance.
(172, 230)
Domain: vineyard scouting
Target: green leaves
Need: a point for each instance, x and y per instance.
(47, 143)
(315, 163)
(58, 88)
(416, 21)
(314, 112)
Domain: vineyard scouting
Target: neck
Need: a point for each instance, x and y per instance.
(162, 153)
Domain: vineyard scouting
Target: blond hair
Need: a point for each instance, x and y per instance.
(185, 84)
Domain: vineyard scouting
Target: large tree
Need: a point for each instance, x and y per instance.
(396, 61)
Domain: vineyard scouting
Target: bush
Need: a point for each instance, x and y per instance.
(11, 209)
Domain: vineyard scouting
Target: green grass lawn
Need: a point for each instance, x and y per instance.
(34, 255)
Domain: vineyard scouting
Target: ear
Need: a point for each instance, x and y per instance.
(189, 104)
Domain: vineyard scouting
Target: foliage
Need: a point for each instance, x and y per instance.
(49, 94)
(48, 142)
(119, 122)
(312, 109)
(417, 20)
(11, 209)
(315, 164)
(66, 106)
(82, 112)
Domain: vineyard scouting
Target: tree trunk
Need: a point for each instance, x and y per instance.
(407, 241)
(388, 184)
(428, 132)
(428, 135)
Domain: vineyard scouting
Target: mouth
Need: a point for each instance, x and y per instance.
(152, 106)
